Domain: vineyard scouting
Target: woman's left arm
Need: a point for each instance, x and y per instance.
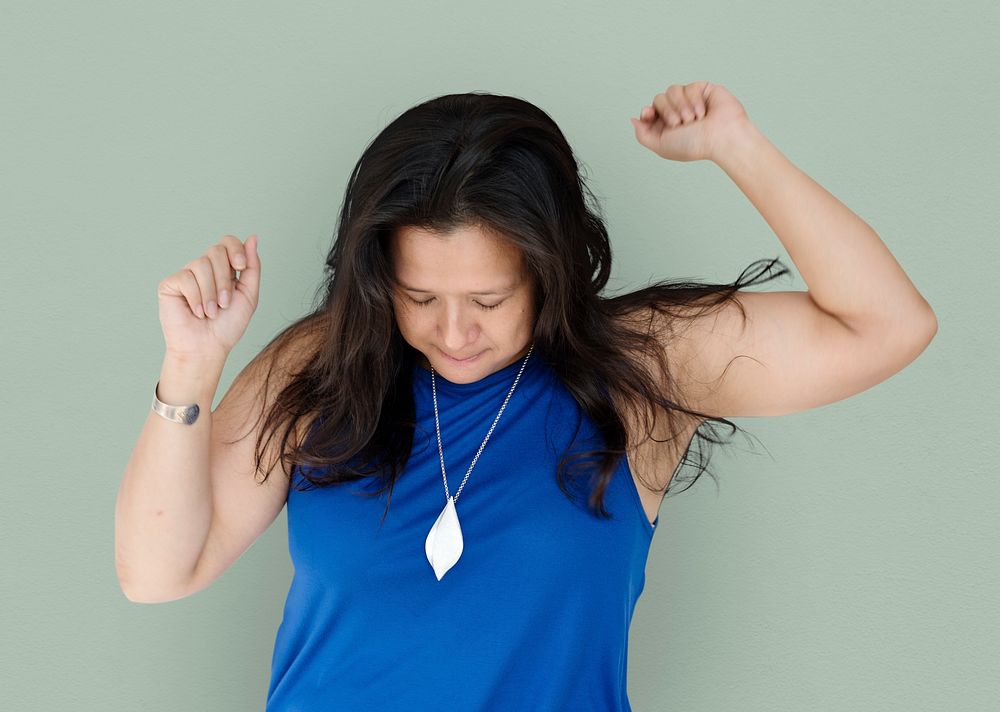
(861, 319)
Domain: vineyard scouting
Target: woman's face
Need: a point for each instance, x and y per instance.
(477, 301)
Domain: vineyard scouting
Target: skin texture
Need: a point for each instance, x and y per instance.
(455, 321)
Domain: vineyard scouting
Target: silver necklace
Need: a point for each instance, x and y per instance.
(444, 543)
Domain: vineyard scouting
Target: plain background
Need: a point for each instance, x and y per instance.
(847, 561)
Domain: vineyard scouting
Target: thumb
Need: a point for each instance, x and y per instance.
(643, 132)
(249, 281)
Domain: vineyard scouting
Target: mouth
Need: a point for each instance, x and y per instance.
(469, 359)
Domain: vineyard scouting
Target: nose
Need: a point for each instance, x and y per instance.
(457, 329)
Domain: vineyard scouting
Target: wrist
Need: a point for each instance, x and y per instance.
(185, 380)
(195, 361)
(739, 140)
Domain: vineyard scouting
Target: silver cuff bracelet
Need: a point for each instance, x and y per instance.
(185, 414)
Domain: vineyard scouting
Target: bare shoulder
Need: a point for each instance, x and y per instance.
(243, 507)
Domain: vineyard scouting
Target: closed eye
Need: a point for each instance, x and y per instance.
(486, 307)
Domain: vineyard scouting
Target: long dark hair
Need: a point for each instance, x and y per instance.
(501, 164)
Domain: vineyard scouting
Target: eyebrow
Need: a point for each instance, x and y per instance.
(502, 290)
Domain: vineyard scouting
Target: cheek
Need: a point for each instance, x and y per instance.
(411, 323)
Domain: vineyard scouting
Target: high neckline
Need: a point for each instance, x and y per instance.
(504, 375)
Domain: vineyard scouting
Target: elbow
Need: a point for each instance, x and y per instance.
(906, 329)
(916, 338)
(152, 594)
(924, 325)
(138, 588)
(133, 594)
(136, 596)
(926, 319)
(932, 323)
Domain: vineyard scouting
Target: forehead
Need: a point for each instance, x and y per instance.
(466, 257)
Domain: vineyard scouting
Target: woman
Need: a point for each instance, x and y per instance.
(462, 325)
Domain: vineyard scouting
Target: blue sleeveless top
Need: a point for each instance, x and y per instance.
(535, 613)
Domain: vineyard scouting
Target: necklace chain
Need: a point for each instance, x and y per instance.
(437, 427)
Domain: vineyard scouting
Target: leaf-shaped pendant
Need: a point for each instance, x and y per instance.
(444, 541)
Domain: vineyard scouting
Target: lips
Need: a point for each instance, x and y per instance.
(460, 358)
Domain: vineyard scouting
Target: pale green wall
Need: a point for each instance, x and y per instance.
(850, 565)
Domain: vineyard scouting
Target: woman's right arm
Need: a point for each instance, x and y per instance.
(165, 511)
(164, 506)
